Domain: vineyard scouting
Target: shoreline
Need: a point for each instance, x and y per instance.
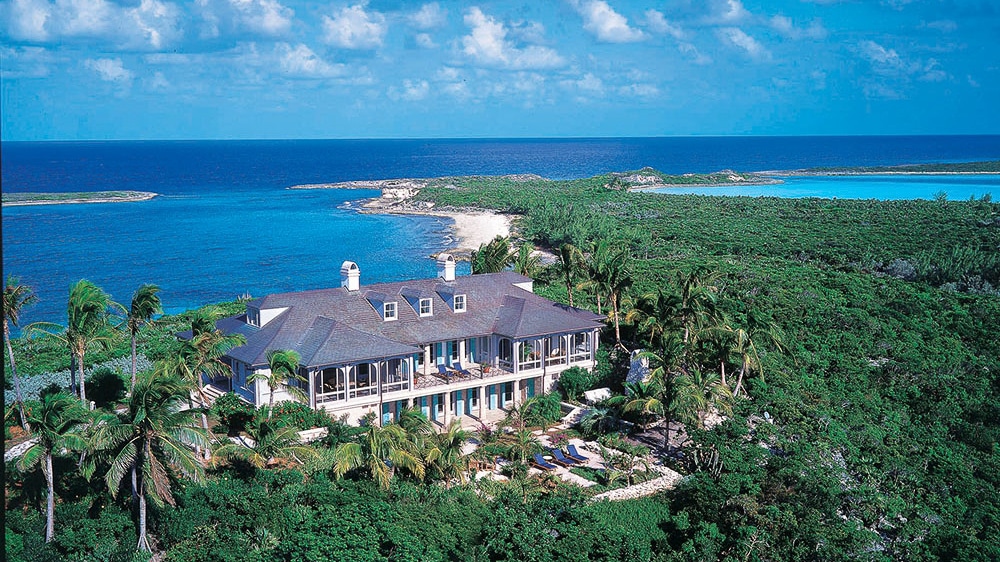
(33, 199)
(469, 228)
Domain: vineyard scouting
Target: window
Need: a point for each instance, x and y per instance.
(389, 311)
(425, 307)
(459, 303)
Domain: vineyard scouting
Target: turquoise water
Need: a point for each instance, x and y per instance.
(884, 187)
(226, 226)
(214, 246)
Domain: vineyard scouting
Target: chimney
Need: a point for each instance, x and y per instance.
(350, 276)
(446, 267)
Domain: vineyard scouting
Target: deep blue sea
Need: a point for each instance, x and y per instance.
(226, 226)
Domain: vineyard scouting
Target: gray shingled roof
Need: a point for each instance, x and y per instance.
(335, 326)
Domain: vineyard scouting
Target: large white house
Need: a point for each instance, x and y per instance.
(456, 347)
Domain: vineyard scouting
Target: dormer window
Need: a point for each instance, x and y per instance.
(425, 307)
(389, 311)
(459, 303)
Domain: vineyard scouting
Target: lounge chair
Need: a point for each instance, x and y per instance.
(574, 454)
(559, 458)
(543, 464)
(444, 372)
(458, 367)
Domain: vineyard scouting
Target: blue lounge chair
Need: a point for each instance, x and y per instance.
(458, 367)
(562, 459)
(542, 463)
(444, 372)
(574, 454)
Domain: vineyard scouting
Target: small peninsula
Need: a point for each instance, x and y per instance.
(25, 199)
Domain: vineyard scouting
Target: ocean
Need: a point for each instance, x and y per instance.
(225, 226)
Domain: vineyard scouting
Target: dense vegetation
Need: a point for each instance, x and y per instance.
(76, 196)
(990, 167)
(868, 429)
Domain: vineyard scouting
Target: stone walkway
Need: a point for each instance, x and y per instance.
(669, 479)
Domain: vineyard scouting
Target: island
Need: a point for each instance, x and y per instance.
(76, 197)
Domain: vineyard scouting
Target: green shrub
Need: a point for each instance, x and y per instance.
(616, 441)
(296, 414)
(234, 413)
(544, 409)
(575, 381)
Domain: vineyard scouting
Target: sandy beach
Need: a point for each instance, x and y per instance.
(28, 199)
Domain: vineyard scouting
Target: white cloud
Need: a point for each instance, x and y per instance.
(487, 44)
(657, 23)
(159, 81)
(784, 26)
(429, 16)
(156, 21)
(150, 24)
(740, 39)
(944, 26)
(264, 17)
(587, 84)
(639, 90)
(301, 62)
(601, 20)
(27, 62)
(354, 28)
(425, 41)
(730, 11)
(412, 90)
(27, 19)
(694, 54)
(110, 70)
(932, 72)
(883, 60)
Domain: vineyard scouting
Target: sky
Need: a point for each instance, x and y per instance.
(263, 69)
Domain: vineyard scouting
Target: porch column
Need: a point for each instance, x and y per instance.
(482, 395)
(409, 371)
(312, 389)
(567, 342)
(461, 352)
(427, 359)
(447, 409)
(516, 351)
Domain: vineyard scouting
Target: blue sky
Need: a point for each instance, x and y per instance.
(162, 69)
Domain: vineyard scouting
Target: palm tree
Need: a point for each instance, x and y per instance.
(270, 444)
(567, 266)
(283, 367)
(647, 398)
(202, 355)
(56, 424)
(697, 301)
(153, 435)
(145, 303)
(526, 262)
(15, 297)
(444, 457)
(697, 392)
(88, 312)
(492, 257)
(598, 421)
(380, 451)
(745, 347)
(655, 315)
(617, 279)
(520, 445)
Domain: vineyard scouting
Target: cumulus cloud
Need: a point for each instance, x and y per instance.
(354, 28)
(429, 16)
(425, 41)
(487, 44)
(739, 38)
(587, 84)
(263, 17)
(729, 11)
(784, 26)
(110, 70)
(604, 23)
(883, 60)
(639, 90)
(411, 90)
(300, 61)
(26, 62)
(150, 24)
(657, 23)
